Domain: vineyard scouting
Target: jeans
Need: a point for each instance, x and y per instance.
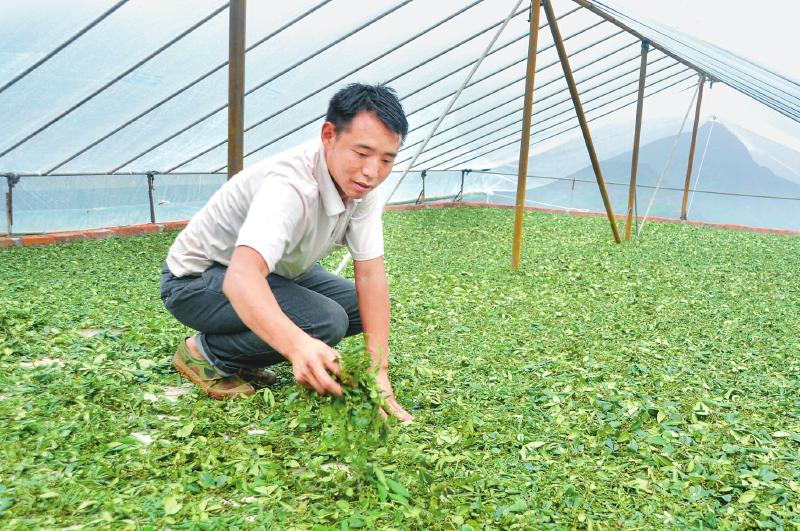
(322, 304)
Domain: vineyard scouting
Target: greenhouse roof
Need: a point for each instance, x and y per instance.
(132, 87)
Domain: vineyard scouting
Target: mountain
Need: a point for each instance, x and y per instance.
(728, 168)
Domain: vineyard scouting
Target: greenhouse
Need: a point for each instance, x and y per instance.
(589, 235)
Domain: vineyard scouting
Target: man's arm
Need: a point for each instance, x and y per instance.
(246, 287)
(373, 304)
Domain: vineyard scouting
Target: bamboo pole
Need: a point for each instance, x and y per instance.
(636, 137)
(587, 137)
(236, 86)
(691, 149)
(10, 205)
(524, 146)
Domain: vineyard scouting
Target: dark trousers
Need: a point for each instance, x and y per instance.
(322, 304)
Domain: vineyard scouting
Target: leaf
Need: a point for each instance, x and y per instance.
(268, 397)
(397, 487)
(747, 497)
(266, 490)
(171, 505)
(185, 430)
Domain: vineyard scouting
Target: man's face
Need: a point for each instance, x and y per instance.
(361, 156)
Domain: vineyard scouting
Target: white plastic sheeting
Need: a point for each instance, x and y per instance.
(145, 89)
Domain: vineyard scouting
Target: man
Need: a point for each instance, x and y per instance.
(244, 271)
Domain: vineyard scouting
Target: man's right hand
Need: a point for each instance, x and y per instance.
(312, 364)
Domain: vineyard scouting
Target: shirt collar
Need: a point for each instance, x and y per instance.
(331, 200)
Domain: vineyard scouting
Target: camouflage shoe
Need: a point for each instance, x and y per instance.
(260, 377)
(203, 374)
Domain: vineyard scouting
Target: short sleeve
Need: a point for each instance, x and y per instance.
(364, 236)
(274, 220)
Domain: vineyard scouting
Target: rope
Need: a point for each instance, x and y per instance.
(347, 257)
(700, 168)
(669, 160)
(63, 45)
(117, 78)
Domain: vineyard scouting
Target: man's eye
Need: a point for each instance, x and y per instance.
(362, 155)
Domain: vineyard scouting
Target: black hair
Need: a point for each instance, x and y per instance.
(357, 97)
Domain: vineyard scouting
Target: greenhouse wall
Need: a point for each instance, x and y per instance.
(49, 204)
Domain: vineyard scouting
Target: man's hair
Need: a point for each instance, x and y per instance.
(379, 99)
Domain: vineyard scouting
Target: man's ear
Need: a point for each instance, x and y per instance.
(328, 134)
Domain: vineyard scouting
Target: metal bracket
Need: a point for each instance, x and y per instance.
(12, 178)
(646, 44)
(460, 194)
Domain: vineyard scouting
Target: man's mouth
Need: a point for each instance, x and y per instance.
(362, 187)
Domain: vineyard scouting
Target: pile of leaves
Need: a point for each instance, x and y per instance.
(644, 385)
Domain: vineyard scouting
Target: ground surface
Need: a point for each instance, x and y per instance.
(644, 385)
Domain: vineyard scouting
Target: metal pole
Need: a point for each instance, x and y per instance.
(691, 149)
(236, 86)
(636, 137)
(150, 178)
(11, 180)
(573, 90)
(524, 146)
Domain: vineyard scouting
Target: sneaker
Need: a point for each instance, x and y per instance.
(206, 376)
(260, 377)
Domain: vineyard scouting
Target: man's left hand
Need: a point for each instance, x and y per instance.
(391, 406)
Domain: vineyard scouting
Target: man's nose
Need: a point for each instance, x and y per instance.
(370, 169)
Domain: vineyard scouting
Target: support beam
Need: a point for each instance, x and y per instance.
(576, 101)
(524, 146)
(11, 179)
(236, 86)
(636, 137)
(694, 143)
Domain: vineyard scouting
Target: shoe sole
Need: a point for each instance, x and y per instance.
(190, 375)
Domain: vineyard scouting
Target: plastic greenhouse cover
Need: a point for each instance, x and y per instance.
(314, 48)
(145, 89)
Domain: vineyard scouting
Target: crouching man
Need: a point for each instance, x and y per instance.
(244, 271)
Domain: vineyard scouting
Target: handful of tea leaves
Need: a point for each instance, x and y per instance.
(355, 422)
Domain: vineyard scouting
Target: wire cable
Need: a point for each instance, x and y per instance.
(700, 168)
(475, 67)
(669, 159)
(495, 148)
(330, 84)
(267, 81)
(183, 89)
(64, 44)
(115, 79)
